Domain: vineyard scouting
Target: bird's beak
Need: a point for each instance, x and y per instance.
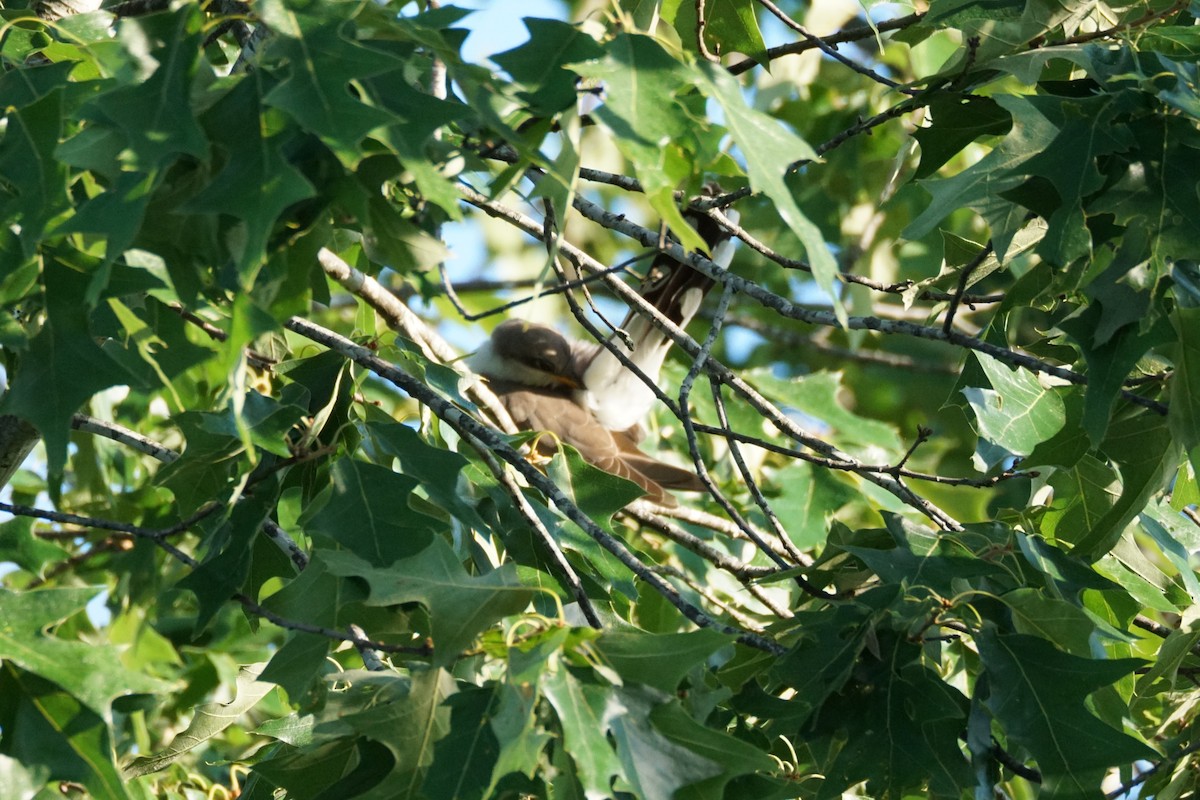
(566, 381)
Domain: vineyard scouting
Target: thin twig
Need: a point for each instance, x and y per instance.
(830, 49)
(857, 467)
(1125, 789)
(853, 34)
(745, 620)
(689, 428)
(712, 522)
(719, 559)
(355, 639)
(134, 440)
(1145, 19)
(748, 477)
(964, 276)
(701, 27)
(160, 538)
(125, 436)
(569, 576)
(372, 660)
(845, 277)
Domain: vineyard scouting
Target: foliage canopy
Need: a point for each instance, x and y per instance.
(946, 398)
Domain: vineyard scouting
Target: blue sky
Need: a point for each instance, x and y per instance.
(496, 25)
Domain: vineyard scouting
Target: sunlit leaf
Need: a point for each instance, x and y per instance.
(461, 606)
(92, 675)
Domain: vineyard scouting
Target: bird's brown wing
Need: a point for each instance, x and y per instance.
(665, 475)
(557, 413)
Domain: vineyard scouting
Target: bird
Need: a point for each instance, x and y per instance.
(583, 394)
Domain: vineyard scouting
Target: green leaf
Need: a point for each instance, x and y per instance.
(63, 367)
(20, 546)
(1175, 542)
(464, 758)
(208, 721)
(540, 63)
(315, 597)
(94, 675)
(1184, 418)
(910, 723)
(225, 570)
(659, 660)
(1086, 132)
(1069, 573)
(982, 186)
(655, 765)
(1143, 448)
(408, 723)
(1053, 620)
(255, 183)
(518, 721)
(643, 110)
(956, 122)
(437, 470)
(51, 732)
(1109, 362)
(821, 395)
(153, 112)
(34, 181)
(598, 494)
(1065, 448)
(205, 466)
(1083, 494)
(824, 657)
(731, 27)
(941, 573)
(308, 772)
(767, 146)
(1037, 696)
(117, 214)
(734, 755)
(582, 712)
(368, 512)
(461, 606)
(319, 63)
(808, 498)
(1018, 413)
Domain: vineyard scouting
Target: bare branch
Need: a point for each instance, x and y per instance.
(964, 277)
(831, 49)
(122, 435)
(570, 577)
(844, 277)
(854, 34)
(656, 521)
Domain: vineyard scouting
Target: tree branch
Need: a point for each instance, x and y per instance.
(853, 34)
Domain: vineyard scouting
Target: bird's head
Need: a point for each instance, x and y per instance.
(528, 354)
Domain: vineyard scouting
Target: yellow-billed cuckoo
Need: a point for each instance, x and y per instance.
(583, 394)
